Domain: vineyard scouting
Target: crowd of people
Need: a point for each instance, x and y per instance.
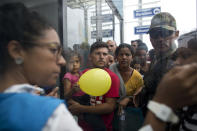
(150, 90)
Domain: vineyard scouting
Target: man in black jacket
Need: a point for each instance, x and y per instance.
(163, 33)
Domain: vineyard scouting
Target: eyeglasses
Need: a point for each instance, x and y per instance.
(160, 33)
(54, 47)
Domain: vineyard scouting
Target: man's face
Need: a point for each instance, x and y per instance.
(111, 46)
(162, 40)
(99, 57)
(134, 44)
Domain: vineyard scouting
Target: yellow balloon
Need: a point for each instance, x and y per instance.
(95, 82)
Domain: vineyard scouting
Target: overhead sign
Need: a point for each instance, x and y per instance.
(105, 18)
(141, 29)
(105, 33)
(146, 12)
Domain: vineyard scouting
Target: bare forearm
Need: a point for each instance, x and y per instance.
(155, 123)
(68, 94)
(98, 109)
(159, 114)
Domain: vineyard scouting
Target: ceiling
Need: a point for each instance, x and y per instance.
(29, 3)
(71, 3)
(80, 3)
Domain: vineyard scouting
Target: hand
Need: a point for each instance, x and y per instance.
(54, 92)
(123, 103)
(76, 88)
(136, 98)
(178, 88)
(74, 107)
(38, 91)
(135, 101)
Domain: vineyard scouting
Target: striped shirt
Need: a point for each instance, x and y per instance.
(189, 122)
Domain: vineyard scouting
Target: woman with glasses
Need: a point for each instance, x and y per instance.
(30, 54)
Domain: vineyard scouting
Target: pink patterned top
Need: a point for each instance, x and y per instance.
(73, 79)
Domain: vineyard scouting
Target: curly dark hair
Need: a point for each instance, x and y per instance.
(124, 45)
(97, 45)
(20, 24)
(182, 52)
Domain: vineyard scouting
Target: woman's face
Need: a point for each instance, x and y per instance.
(42, 63)
(124, 57)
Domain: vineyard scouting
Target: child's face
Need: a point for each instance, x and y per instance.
(137, 67)
(110, 60)
(141, 54)
(74, 64)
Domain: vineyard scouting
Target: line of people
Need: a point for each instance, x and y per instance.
(133, 91)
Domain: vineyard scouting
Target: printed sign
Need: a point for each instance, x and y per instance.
(105, 18)
(105, 33)
(141, 29)
(146, 12)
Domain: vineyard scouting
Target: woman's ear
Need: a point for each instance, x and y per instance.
(16, 51)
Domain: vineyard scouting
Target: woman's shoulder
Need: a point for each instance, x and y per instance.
(68, 75)
(136, 74)
(25, 105)
(25, 97)
(58, 119)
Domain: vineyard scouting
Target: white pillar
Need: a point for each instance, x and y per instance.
(98, 20)
(140, 19)
(64, 15)
(196, 14)
(86, 24)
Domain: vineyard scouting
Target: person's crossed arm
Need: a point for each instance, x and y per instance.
(177, 89)
(105, 108)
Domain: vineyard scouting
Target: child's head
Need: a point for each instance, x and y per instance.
(136, 63)
(110, 60)
(181, 54)
(73, 62)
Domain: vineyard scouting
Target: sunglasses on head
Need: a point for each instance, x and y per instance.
(160, 33)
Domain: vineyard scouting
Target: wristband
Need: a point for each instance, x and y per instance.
(163, 112)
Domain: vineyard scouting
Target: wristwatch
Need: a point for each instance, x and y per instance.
(163, 112)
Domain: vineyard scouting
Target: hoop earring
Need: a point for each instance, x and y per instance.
(18, 61)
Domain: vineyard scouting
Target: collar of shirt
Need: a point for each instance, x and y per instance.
(23, 88)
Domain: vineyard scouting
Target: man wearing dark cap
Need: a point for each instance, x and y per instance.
(177, 90)
(163, 33)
